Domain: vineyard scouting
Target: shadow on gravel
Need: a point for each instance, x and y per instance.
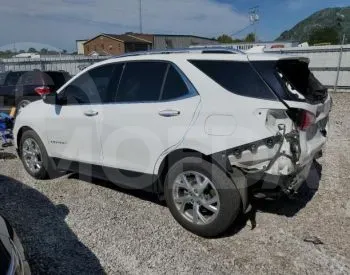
(50, 246)
(140, 194)
(6, 156)
(283, 206)
(289, 207)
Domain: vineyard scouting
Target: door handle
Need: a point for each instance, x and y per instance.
(169, 113)
(91, 113)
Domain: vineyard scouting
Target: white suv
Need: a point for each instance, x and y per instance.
(191, 125)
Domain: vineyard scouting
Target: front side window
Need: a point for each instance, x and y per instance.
(93, 87)
(141, 82)
(236, 77)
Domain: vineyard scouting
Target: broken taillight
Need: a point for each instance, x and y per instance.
(306, 120)
(303, 119)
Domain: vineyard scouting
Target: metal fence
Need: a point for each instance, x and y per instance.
(330, 64)
(72, 64)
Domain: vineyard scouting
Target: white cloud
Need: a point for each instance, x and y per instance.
(61, 22)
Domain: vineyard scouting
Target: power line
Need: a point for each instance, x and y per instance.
(254, 19)
(241, 30)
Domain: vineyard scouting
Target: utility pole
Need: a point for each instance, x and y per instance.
(140, 6)
(339, 63)
(339, 19)
(254, 19)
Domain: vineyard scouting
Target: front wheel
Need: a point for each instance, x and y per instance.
(201, 197)
(34, 156)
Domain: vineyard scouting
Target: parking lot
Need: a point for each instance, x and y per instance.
(75, 225)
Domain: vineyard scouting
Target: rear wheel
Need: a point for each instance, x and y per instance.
(34, 156)
(201, 197)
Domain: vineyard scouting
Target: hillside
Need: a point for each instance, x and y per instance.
(317, 22)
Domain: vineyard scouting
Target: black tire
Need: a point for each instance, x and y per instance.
(47, 169)
(230, 200)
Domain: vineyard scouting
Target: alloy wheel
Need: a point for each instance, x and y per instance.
(31, 155)
(196, 197)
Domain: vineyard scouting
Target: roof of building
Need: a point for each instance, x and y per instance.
(122, 38)
(128, 38)
(172, 35)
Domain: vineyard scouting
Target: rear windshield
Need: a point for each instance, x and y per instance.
(292, 80)
(236, 77)
(10, 78)
(56, 78)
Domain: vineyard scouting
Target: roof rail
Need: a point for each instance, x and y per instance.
(203, 50)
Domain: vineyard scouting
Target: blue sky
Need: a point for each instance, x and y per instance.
(58, 23)
(280, 15)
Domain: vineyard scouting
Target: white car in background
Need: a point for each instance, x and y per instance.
(192, 125)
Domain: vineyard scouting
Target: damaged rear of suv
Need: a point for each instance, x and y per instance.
(302, 127)
(275, 125)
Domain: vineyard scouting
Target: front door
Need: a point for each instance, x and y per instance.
(73, 126)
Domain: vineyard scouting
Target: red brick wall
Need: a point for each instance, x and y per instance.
(103, 45)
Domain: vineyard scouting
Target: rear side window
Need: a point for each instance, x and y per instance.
(236, 77)
(174, 86)
(141, 82)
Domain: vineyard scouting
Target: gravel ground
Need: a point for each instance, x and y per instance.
(71, 225)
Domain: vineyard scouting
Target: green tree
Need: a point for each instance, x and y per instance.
(6, 54)
(250, 37)
(324, 35)
(22, 51)
(43, 51)
(225, 39)
(64, 51)
(32, 50)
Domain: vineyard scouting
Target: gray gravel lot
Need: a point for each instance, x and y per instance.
(78, 226)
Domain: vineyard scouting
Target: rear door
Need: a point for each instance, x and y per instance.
(153, 108)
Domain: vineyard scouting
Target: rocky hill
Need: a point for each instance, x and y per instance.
(327, 21)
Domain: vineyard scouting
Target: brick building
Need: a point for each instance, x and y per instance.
(175, 41)
(113, 44)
